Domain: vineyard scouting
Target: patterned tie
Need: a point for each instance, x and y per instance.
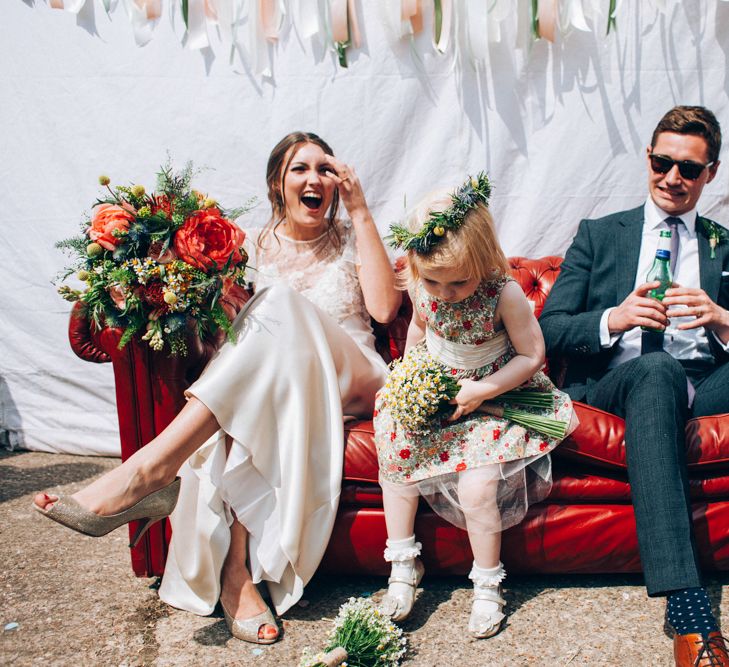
(652, 341)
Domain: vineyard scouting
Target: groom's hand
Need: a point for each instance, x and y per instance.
(695, 301)
(638, 310)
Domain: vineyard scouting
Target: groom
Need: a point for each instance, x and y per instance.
(655, 381)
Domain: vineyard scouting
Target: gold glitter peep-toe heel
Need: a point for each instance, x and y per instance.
(247, 628)
(150, 509)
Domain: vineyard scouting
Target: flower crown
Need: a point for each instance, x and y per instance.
(474, 191)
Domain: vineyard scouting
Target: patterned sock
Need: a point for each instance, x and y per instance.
(689, 611)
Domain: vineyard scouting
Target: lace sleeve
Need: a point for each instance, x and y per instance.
(350, 252)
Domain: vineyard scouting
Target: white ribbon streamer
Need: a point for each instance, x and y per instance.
(143, 24)
(306, 18)
(197, 29)
(477, 27)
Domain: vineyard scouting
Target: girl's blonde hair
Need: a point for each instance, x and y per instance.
(473, 245)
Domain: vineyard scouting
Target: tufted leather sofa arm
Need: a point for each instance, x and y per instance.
(82, 335)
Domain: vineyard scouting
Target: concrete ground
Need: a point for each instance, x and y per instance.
(68, 599)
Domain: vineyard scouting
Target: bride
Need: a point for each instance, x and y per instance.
(258, 447)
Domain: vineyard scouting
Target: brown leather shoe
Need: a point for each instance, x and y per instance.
(695, 651)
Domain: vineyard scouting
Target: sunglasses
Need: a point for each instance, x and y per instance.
(662, 164)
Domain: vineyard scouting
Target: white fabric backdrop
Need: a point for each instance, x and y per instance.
(561, 128)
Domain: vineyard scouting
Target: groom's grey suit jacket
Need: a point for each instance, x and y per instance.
(598, 272)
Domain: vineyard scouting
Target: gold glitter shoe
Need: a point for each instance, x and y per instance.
(247, 629)
(150, 509)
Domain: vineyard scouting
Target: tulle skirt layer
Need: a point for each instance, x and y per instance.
(484, 500)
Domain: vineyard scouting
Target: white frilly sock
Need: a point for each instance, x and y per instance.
(402, 555)
(484, 578)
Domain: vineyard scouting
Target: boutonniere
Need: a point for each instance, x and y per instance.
(714, 233)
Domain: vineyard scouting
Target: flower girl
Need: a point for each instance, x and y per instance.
(478, 464)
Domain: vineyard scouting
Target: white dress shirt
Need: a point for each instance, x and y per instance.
(687, 344)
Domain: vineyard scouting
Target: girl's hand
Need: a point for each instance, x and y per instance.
(470, 396)
(350, 189)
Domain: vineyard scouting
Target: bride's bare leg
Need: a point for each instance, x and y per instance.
(148, 469)
(239, 594)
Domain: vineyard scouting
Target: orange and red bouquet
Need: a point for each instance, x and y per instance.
(152, 262)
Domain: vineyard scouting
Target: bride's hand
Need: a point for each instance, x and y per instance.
(350, 189)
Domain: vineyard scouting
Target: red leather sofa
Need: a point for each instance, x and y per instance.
(586, 525)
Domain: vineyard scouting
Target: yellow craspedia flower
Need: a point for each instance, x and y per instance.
(170, 298)
(94, 250)
(209, 203)
(83, 275)
(138, 190)
(439, 231)
(104, 180)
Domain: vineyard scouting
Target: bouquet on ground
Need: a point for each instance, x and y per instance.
(417, 390)
(361, 637)
(152, 262)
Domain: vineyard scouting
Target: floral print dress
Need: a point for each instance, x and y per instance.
(493, 448)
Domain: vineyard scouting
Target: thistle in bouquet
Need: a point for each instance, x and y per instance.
(153, 262)
(418, 390)
(361, 637)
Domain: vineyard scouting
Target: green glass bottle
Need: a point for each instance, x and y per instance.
(660, 270)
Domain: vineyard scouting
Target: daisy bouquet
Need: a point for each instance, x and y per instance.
(152, 263)
(417, 390)
(361, 637)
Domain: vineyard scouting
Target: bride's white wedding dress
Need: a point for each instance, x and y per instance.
(304, 358)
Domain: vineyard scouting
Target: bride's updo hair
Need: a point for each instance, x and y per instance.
(278, 163)
(473, 245)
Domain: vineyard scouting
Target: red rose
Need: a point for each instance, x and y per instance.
(460, 467)
(543, 446)
(106, 218)
(154, 295)
(433, 306)
(444, 456)
(404, 453)
(454, 371)
(208, 241)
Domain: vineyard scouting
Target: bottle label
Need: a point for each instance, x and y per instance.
(663, 254)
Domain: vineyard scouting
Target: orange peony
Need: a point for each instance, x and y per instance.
(207, 240)
(106, 218)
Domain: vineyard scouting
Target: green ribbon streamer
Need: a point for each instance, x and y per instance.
(438, 20)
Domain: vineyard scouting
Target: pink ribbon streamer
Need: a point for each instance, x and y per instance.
(344, 22)
(211, 11)
(412, 10)
(151, 8)
(269, 19)
(547, 16)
